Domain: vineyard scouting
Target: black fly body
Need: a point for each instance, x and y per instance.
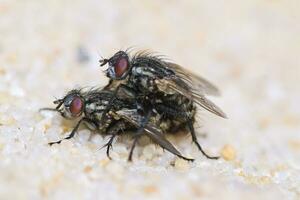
(160, 86)
(123, 116)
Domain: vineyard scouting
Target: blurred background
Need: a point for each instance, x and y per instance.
(250, 49)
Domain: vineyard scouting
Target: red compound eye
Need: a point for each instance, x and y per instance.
(121, 67)
(76, 106)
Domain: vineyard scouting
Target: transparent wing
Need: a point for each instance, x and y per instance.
(195, 82)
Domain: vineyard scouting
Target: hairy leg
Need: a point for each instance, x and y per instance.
(114, 131)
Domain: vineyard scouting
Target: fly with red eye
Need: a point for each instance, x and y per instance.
(157, 83)
(123, 117)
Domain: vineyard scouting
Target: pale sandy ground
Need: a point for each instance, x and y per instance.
(250, 49)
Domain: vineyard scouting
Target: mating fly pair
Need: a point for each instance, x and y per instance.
(145, 95)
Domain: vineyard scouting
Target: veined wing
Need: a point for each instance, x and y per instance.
(196, 83)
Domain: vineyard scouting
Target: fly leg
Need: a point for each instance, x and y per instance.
(108, 145)
(113, 131)
(73, 131)
(132, 148)
(194, 138)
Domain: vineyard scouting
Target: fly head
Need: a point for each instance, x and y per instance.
(118, 65)
(71, 106)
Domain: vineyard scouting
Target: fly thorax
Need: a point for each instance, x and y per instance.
(143, 71)
(144, 78)
(94, 107)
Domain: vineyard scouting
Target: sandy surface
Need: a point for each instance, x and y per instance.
(250, 49)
